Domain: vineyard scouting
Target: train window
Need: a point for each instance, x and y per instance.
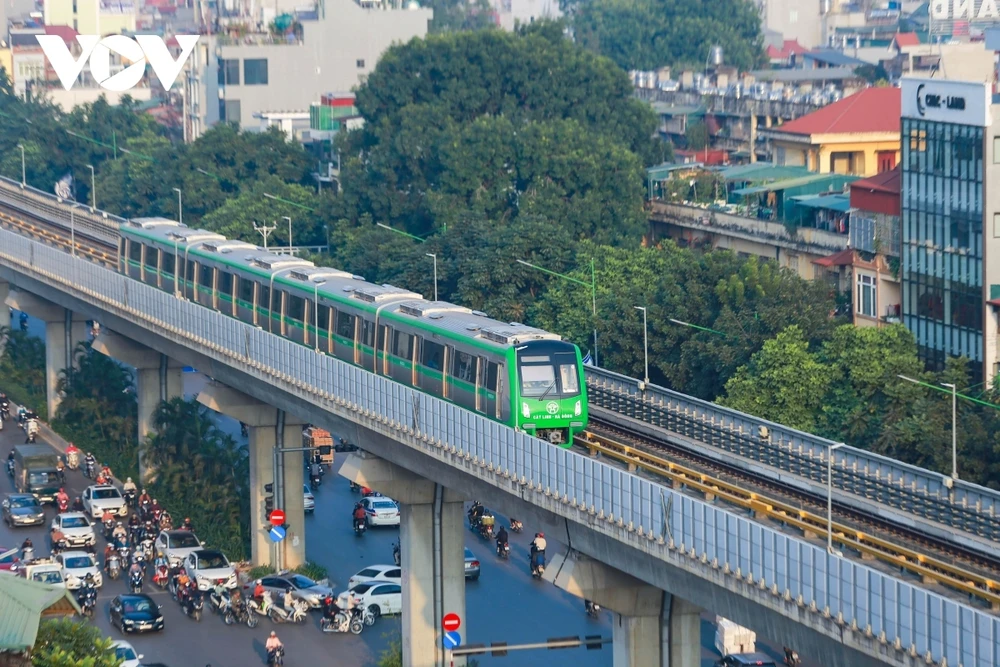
(382, 330)
(568, 378)
(264, 300)
(463, 367)
(246, 290)
(190, 270)
(225, 283)
(168, 263)
(322, 317)
(402, 345)
(151, 257)
(433, 355)
(367, 333)
(296, 308)
(135, 251)
(492, 371)
(345, 325)
(121, 247)
(205, 276)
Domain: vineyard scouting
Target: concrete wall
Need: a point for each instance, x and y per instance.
(67, 99)
(794, 19)
(991, 248)
(88, 19)
(336, 53)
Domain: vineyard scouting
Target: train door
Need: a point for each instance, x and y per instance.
(480, 388)
(204, 285)
(168, 265)
(384, 336)
(190, 286)
(227, 292)
(494, 390)
(150, 266)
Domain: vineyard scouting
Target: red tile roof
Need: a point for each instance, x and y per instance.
(871, 110)
(788, 48)
(841, 258)
(887, 181)
(907, 39)
(67, 33)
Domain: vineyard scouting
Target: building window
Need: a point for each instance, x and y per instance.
(886, 161)
(996, 150)
(229, 72)
(867, 302)
(255, 72)
(996, 225)
(229, 111)
(361, 64)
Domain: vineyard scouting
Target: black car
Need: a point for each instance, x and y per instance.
(135, 613)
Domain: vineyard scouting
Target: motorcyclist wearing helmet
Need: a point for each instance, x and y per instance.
(109, 551)
(537, 549)
(155, 508)
(273, 643)
(502, 538)
(119, 533)
(77, 504)
(89, 460)
(187, 525)
(360, 516)
(144, 499)
(135, 568)
(26, 545)
(258, 590)
(476, 513)
(62, 497)
(129, 485)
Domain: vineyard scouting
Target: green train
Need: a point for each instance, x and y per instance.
(514, 374)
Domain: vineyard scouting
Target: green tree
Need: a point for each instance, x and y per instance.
(202, 473)
(66, 643)
(647, 34)
(22, 369)
(235, 218)
(696, 135)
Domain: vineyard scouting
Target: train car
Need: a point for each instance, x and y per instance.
(512, 373)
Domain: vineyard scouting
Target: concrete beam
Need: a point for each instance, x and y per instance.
(35, 306)
(613, 589)
(158, 379)
(426, 599)
(4, 313)
(389, 479)
(265, 423)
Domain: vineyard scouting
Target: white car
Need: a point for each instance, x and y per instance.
(76, 527)
(308, 499)
(391, 574)
(176, 545)
(381, 511)
(76, 565)
(105, 498)
(126, 653)
(381, 599)
(209, 567)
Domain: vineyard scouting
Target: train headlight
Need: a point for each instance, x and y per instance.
(578, 409)
(525, 410)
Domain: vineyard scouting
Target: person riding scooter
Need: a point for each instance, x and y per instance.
(502, 540)
(62, 500)
(538, 551)
(360, 516)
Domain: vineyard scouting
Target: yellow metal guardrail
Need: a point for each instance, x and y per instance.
(56, 239)
(930, 569)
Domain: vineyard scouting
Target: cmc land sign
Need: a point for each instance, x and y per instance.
(944, 101)
(968, 10)
(138, 51)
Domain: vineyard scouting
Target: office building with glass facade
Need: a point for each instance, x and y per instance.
(950, 222)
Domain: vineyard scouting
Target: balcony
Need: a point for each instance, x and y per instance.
(893, 314)
(806, 239)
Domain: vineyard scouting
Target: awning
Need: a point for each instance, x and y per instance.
(838, 203)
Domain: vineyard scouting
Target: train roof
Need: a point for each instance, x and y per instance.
(335, 284)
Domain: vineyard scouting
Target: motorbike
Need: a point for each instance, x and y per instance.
(166, 523)
(27, 554)
(537, 564)
(254, 609)
(503, 550)
(360, 527)
(192, 605)
(276, 656)
(222, 604)
(342, 623)
(314, 481)
(62, 504)
(72, 457)
(297, 614)
(32, 431)
(515, 526)
(135, 580)
(396, 557)
(144, 510)
(10, 467)
(130, 497)
(89, 469)
(791, 658)
(114, 566)
(109, 526)
(59, 546)
(241, 613)
(162, 576)
(146, 549)
(485, 526)
(87, 598)
(4, 409)
(593, 609)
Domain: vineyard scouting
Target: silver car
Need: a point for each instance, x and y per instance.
(471, 565)
(301, 587)
(22, 509)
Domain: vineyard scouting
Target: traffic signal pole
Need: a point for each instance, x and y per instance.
(499, 649)
(277, 553)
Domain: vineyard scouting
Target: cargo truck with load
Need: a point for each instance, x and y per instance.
(36, 471)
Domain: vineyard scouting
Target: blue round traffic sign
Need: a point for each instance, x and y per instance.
(452, 639)
(277, 533)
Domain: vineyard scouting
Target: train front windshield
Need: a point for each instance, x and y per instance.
(549, 374)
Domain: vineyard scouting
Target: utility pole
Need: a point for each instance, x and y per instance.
(264, 231)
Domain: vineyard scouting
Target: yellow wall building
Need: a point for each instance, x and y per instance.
(857, 135)
(93, 17)
(7, 62)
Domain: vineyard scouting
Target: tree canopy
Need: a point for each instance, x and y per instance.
(67, 643)
(648, 34)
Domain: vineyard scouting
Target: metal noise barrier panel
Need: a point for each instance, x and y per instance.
(947, 629)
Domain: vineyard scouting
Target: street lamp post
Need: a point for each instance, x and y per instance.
(645, 343)
(72, 229)
(285, 217)
(593, 291)
(23, 179)
(435, 258)
(954, 418)
(93, 189)
(829, 498)
(180, 205)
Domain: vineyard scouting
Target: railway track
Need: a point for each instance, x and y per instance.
(56, 235)
(869, 536)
